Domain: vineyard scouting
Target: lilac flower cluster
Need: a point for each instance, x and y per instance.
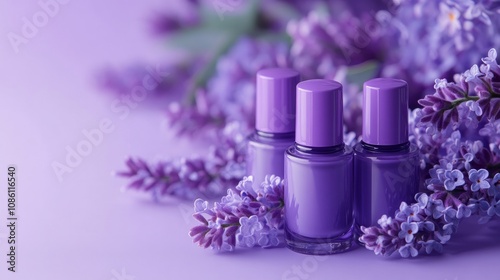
(437, 38)
(159, 80)
(337, 40)
(426, 225)
(423, 226)
(336, 43)
(252, 216)
(457, 132)
(323, 44)
(165, 23)
(229, 95)
(486, 202)
(190, 178)
(446, 127)
(459, 185)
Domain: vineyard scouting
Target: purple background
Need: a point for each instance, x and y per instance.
(84, 227)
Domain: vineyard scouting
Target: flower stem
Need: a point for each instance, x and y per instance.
(231, 225)
(461, 100)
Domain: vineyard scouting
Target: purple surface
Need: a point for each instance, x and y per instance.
(83, 227)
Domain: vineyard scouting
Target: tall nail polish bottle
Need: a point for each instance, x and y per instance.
(385, 163)
(275, 122)
(319, 174)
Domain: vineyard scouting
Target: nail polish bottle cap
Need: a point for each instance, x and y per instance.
(385, 112)
(319, 113)
(275, 100)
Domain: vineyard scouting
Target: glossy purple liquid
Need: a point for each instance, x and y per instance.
(265, 154)
(319, 201)
(383, 179)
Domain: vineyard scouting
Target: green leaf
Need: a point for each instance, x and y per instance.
(216, 26)
(275, 37)
(281, 11)
(233, 15)
(198, 40)
(208, 69)
(358, 74)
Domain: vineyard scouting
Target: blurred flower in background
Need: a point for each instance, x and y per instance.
(223, 43)
(429, 39)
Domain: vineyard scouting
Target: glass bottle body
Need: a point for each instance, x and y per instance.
(385, 177)
(319, 200)
(265, 154)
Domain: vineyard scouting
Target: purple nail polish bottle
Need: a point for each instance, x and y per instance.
(275, 122)
(385, 164)
(319, 174)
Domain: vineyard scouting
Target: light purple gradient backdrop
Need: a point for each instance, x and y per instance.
(84, 227)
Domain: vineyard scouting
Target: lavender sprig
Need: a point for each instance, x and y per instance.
(229, 95)
(446, 127)
(189, 178)
(460, 159)
(189, 120)
(158, 80)
(250, 216)
(473, 96)
(333, 41)
(425, 226)
(163, 23)
(436, 38)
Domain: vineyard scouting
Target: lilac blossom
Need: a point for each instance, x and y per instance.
(494, 208)
(463, 166)
(190, 177)
(477, 177)
(494, 185)
(449, 118)
(408, 230)
(427, 39)
(473, 74)
(454, 179)
(250, 217)
(229, 95)
(438, 221)
(166, 23)
(430, 246)
(438, 38)
(157, 80)
(463, 211)
(332, 41)
(408, 250)
(408, 212)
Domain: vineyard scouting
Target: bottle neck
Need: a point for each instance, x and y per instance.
(319, 150)
(385, 149)
(285, 135)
